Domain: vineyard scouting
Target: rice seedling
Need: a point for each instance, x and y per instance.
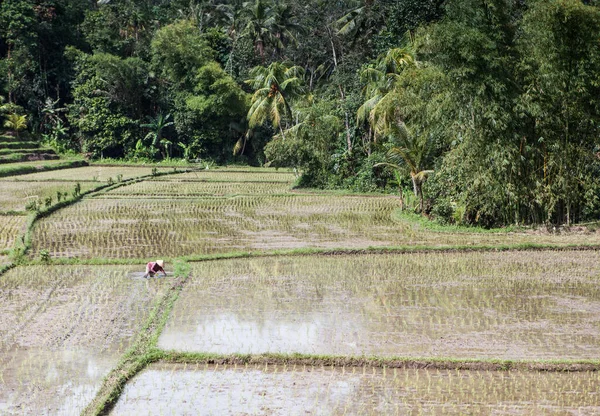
(143, 227)
(447, 307)
(277, 390)
(174, 189)
(14, 196)
(40, 381)
(222, 175)
(11, 226)
(86, 173)
(242, 168)
(465, 305)
(62, 329)
(146, 227)
(73, 306)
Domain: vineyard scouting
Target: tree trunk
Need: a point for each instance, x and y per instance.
(401, 193)
(346, 122)
(335, 62)
(348, 137)
(418, 190)
(9, 75)
(281, 131)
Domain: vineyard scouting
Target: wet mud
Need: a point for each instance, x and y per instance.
(474, 305)
(51, 382)
(288, 390)
(62, 328)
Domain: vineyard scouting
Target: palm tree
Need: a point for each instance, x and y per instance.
(260, 25)
(361, 20)
(16, 122)
(277, 86)
(285, 24)
(3, 107)
(380, 79)
(409, 152)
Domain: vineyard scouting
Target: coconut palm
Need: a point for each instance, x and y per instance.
(380, 79)
(360, 21)
(277, 86)
(285, 24)
(259, 25)
(409, 152)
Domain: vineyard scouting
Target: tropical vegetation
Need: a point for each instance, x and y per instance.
(483, 112)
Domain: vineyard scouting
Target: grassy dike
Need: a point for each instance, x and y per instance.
(100, 261)
(443, 363)
(143, 351)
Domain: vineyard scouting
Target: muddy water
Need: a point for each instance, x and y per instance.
(474, 305)
(62, 328)
(277, 390)
(43, 382)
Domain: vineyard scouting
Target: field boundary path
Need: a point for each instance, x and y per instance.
(145, 349)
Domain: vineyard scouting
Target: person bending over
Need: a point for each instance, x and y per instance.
(154, 267)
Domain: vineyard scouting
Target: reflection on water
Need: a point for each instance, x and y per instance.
(42, 382)
(464, 305)
(290, 390)
(310, 333)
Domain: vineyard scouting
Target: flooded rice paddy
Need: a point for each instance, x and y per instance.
(147, 227)
(14, 196)
(471, 305)
(165, 389)
(233, 175)
(87, 173)
(173, 188)
(62, 328)
(11, 227)
(38, 381)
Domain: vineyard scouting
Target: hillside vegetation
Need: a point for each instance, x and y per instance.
(476, 112)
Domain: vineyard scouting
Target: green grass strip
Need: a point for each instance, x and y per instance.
(442, 363)
(46, 150)
(25, 157)
(6, 267)
(23, 170)
(13, 212)
(17, 144)
(143, 351)
(394, 250)
(100, 261)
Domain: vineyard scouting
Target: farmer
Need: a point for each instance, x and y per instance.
(154, 267)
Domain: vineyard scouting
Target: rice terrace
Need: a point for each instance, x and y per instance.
(282, 300)
(290, 208)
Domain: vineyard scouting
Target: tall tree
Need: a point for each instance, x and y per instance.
(277, 86)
